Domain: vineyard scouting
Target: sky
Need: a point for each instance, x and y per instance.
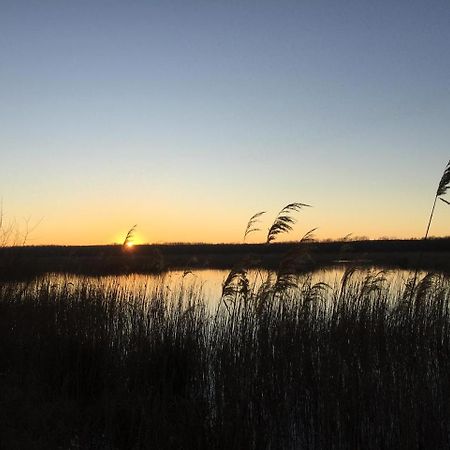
(187, 117)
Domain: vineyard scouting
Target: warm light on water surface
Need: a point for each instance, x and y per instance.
(207, 284)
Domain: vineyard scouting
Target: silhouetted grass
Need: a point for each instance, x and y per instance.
(363, 365)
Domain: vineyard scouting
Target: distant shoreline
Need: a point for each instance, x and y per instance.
(19, 262)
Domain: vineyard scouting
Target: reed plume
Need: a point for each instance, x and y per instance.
(130, 235)
(444, 185)
(252, 222)
(284, 221)
(308, 236)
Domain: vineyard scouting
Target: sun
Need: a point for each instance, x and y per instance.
(129, 244)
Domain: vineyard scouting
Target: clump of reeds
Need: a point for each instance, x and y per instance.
(357, 365)
(283, 222)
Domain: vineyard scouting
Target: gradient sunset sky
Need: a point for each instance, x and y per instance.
(188, 117)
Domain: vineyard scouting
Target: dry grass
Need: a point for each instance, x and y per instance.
(93, 366)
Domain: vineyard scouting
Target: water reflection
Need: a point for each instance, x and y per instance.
(208, 283)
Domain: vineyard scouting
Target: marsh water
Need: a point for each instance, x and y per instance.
(208, 284)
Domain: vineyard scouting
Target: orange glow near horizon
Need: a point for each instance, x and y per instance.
(212, 233)
(215, 225)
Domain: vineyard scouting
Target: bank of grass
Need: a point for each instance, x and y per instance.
(363, 365)
(24, 262)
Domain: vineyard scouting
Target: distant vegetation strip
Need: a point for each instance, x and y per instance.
(114, 259)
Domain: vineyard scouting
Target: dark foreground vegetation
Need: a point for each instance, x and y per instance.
(23, 262)
(291, 366)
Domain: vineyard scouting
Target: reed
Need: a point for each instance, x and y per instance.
(284, 221)
(251, 225)
(95, 366)
(130, 236)
(442, 189)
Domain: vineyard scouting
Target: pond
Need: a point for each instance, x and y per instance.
(207, 284)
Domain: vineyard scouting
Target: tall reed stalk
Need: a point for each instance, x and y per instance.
(444, 185)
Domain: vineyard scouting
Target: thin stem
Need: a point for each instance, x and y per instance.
(431, 218)
(419, 259)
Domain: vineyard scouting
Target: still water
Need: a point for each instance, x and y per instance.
(208, 283)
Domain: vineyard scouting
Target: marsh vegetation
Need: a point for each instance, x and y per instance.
(362, 364)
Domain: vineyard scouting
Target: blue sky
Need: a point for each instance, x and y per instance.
(188, 117)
